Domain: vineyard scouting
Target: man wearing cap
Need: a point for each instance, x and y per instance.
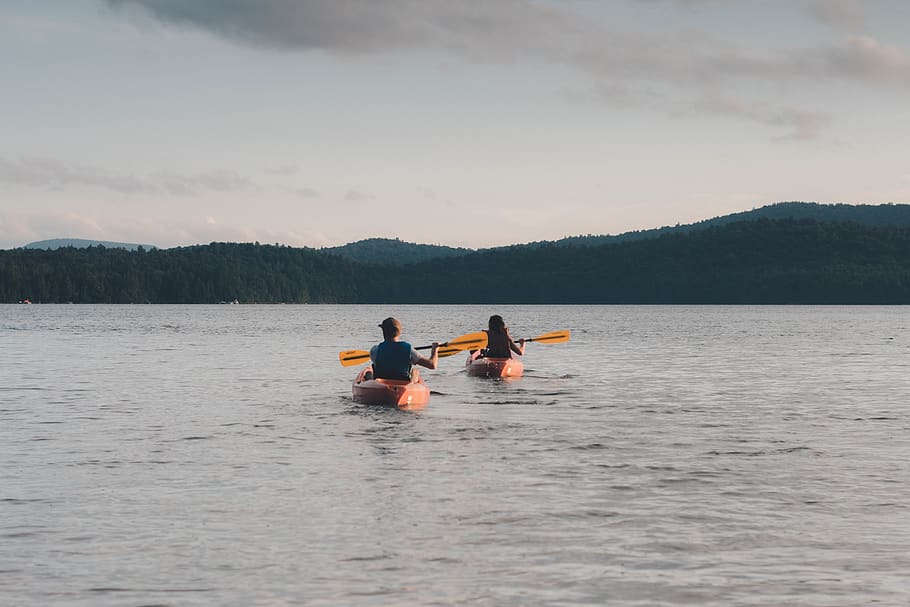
(393, 359)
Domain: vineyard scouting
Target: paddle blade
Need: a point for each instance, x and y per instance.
(471, 341)
(349, 358)
(444, 351)
(553, 337)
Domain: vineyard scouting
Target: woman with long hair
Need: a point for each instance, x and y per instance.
(499, 343)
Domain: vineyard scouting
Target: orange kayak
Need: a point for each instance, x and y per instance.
(479, 366)
(406, 395)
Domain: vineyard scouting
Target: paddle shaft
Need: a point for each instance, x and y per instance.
(453, 346)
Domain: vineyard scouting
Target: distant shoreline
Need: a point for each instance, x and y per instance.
(755, 261)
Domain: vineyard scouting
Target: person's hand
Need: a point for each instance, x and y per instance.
(434, 346)
(521, 341)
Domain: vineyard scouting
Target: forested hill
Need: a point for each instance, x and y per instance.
(385, 251)
(393, 251)
(763, 261)
(81, 243)
(249, 273)
(865, 214)
(389, 251)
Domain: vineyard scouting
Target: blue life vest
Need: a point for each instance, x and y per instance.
(393, 360)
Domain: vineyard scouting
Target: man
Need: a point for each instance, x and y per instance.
(393, 358)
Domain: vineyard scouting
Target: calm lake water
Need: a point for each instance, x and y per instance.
(211, 455)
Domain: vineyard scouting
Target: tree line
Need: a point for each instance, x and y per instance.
(213, 273)
(764, 261)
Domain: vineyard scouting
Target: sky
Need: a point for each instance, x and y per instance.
(467, 123)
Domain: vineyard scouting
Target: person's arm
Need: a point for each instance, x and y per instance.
(518, 348)
(429, 363)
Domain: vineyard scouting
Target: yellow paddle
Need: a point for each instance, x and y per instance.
(553, 337)
(471, 341)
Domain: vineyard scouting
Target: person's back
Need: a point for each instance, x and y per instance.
(499, 342)
(392, 360)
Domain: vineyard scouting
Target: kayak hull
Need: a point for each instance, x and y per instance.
(406, 395)
(478, 366)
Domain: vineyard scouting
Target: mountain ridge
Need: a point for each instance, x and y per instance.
(397, 252)
(763, 261)
(81, 243)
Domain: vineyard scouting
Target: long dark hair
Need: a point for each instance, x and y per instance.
(497, 324)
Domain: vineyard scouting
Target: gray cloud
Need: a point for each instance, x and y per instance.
(355, 197)
(801, 124)
(845, 15)
(180, 184)
(288, 169)
(360, 26)
(682, 2)
(685, 64)
(860, 58)
(55, 175)
(307, 192)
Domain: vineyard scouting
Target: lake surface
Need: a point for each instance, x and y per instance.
(211, 455)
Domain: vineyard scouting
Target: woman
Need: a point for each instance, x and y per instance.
(499, 343)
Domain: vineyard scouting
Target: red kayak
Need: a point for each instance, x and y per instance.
(406, 395)
(483, 366)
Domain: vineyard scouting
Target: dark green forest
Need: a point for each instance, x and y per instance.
(250, 273)
(762, 261)
(866, 214)
(393, 251)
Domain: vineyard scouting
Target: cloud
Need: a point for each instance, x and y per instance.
(46, 173)
(681, 65)
(845, 15)
(355, 197)
(359, 26)
(801, 124)
(20, 228)
(55, 175)
(509, 29)
(180, 184)
(284, 170)
(798, 123)
(859, 58)
(307, 192)
(686, 3)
